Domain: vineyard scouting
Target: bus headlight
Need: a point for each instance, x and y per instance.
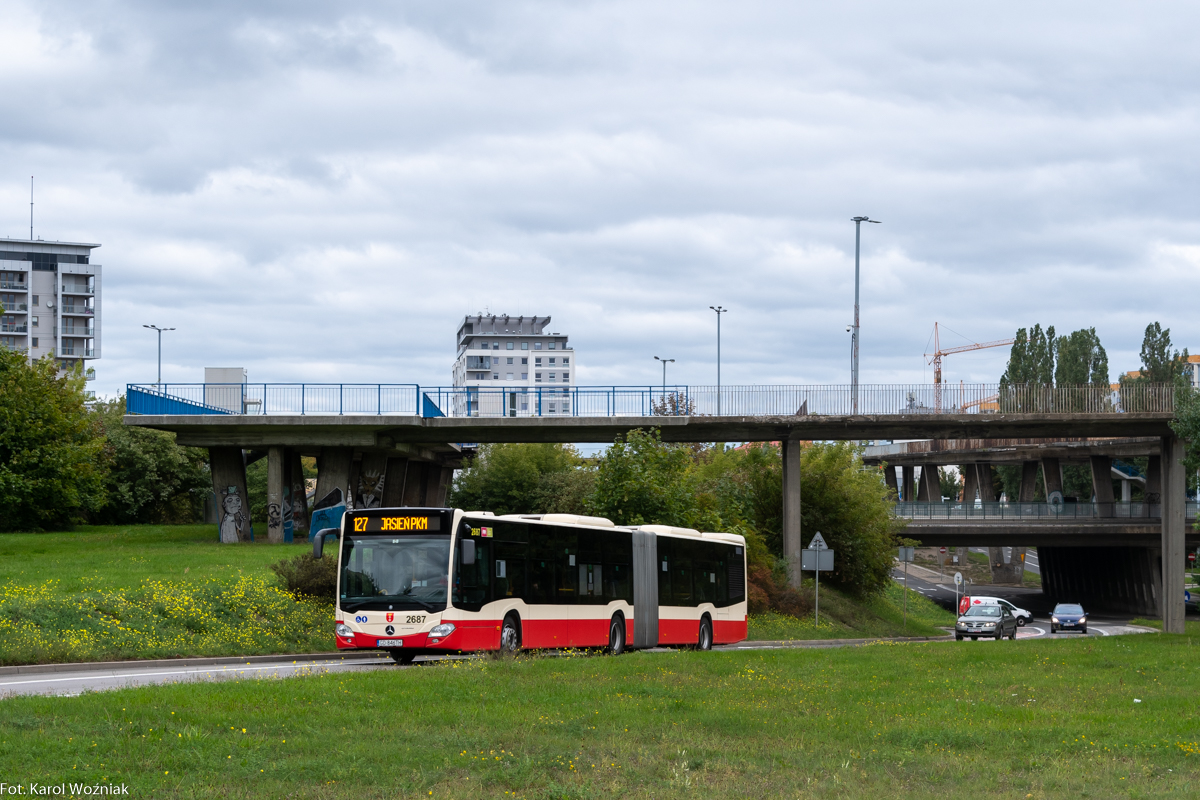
(441, 631)
(344, 630)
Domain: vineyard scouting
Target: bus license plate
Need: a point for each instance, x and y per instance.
(390, 643)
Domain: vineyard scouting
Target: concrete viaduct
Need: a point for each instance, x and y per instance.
(410, 460)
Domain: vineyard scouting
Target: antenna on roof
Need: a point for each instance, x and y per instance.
(31, 208)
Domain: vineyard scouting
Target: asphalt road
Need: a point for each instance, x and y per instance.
(1031, 600)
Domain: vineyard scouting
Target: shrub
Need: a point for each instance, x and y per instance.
(308, 576)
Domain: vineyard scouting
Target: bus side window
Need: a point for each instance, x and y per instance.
(591, 567)
(618, 573)
(511, 549)
(566, 567)
(704, 577)
(665, 547)
(681, 572)
(542, 546)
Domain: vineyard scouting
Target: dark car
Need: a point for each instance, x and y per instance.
(994, 622)
(1068, 617)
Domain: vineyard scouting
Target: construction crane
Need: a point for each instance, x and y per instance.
(935, 358)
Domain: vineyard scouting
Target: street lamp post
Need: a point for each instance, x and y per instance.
(160, 333)
(858, 221)
(720, 310)
(666, 361)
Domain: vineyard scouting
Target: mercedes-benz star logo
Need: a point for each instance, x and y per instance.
(389, 630)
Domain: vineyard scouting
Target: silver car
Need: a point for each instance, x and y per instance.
(993, 622)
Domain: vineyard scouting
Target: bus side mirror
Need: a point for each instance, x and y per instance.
(319, 540)
(468, 552)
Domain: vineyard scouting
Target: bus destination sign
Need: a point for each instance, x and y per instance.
(396, 523)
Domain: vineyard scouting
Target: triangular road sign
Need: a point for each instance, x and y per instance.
(818, 543)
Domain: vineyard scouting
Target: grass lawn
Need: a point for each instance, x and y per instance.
(1028, 719)
(148, 591)
(845, 618)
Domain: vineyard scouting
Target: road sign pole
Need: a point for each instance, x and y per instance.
(906, 597)
(817, 601)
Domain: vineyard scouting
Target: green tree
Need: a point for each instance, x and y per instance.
(50, 445)
(1081, 359)
(1031, 360)
(849, 505)
(1158, 364)
(533, 478)
(148, 477)
(642, 480)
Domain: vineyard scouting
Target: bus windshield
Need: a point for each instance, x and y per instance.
(406, 572)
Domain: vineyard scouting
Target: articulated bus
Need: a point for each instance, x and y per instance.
(416, 581)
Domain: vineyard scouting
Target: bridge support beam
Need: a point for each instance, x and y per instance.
(792, 544)
(906, 490)
(1052, 476)
(333, 471)
(929, 490)
(970, 484)
(275, 481)
(393, 485)
(1174, 486)
(298, 493)
(889, 477)
(1102, 485)
(1029, 472)
(228, 469)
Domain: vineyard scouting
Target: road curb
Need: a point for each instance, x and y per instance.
(100, 666)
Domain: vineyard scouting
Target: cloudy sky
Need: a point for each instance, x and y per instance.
(320, 191)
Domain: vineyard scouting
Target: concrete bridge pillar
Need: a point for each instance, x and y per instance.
(1052, 476)
(970, 484)
(1102, 485)
(1029, 472)
(929, 490)
(275, 481)
(792, 544)
(393, 485)
(333, 470)
(296, 487)
(1174, 490)
(906, 491)
(1153, 493)
(889, 477)
(227, 466)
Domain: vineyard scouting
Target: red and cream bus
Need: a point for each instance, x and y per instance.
(416, 581)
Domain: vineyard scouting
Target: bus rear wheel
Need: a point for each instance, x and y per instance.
(706, 635)
(510, 635)
(402, 656)
(616, 635)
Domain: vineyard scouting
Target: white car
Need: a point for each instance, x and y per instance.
(1023, 617)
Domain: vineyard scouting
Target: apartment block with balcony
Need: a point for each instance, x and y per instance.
(51, 297)
(519, 366)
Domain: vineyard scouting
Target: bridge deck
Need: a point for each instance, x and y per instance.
(385, 431)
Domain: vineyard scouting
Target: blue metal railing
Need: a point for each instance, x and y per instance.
(1031, 511)
(548, 400)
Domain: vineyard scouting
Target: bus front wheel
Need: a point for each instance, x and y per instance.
(510, 635)
(706, 635)
(616, 635)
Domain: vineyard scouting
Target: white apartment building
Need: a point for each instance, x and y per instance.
(51, 297)
(518, 367)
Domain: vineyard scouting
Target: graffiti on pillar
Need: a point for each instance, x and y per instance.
(299, 506)
(274, 517)
(327, 512)
(288, 527)
(370, 489)
(234, 523)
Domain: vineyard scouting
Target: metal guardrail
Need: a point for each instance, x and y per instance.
(643, 401)
(1031, 511)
